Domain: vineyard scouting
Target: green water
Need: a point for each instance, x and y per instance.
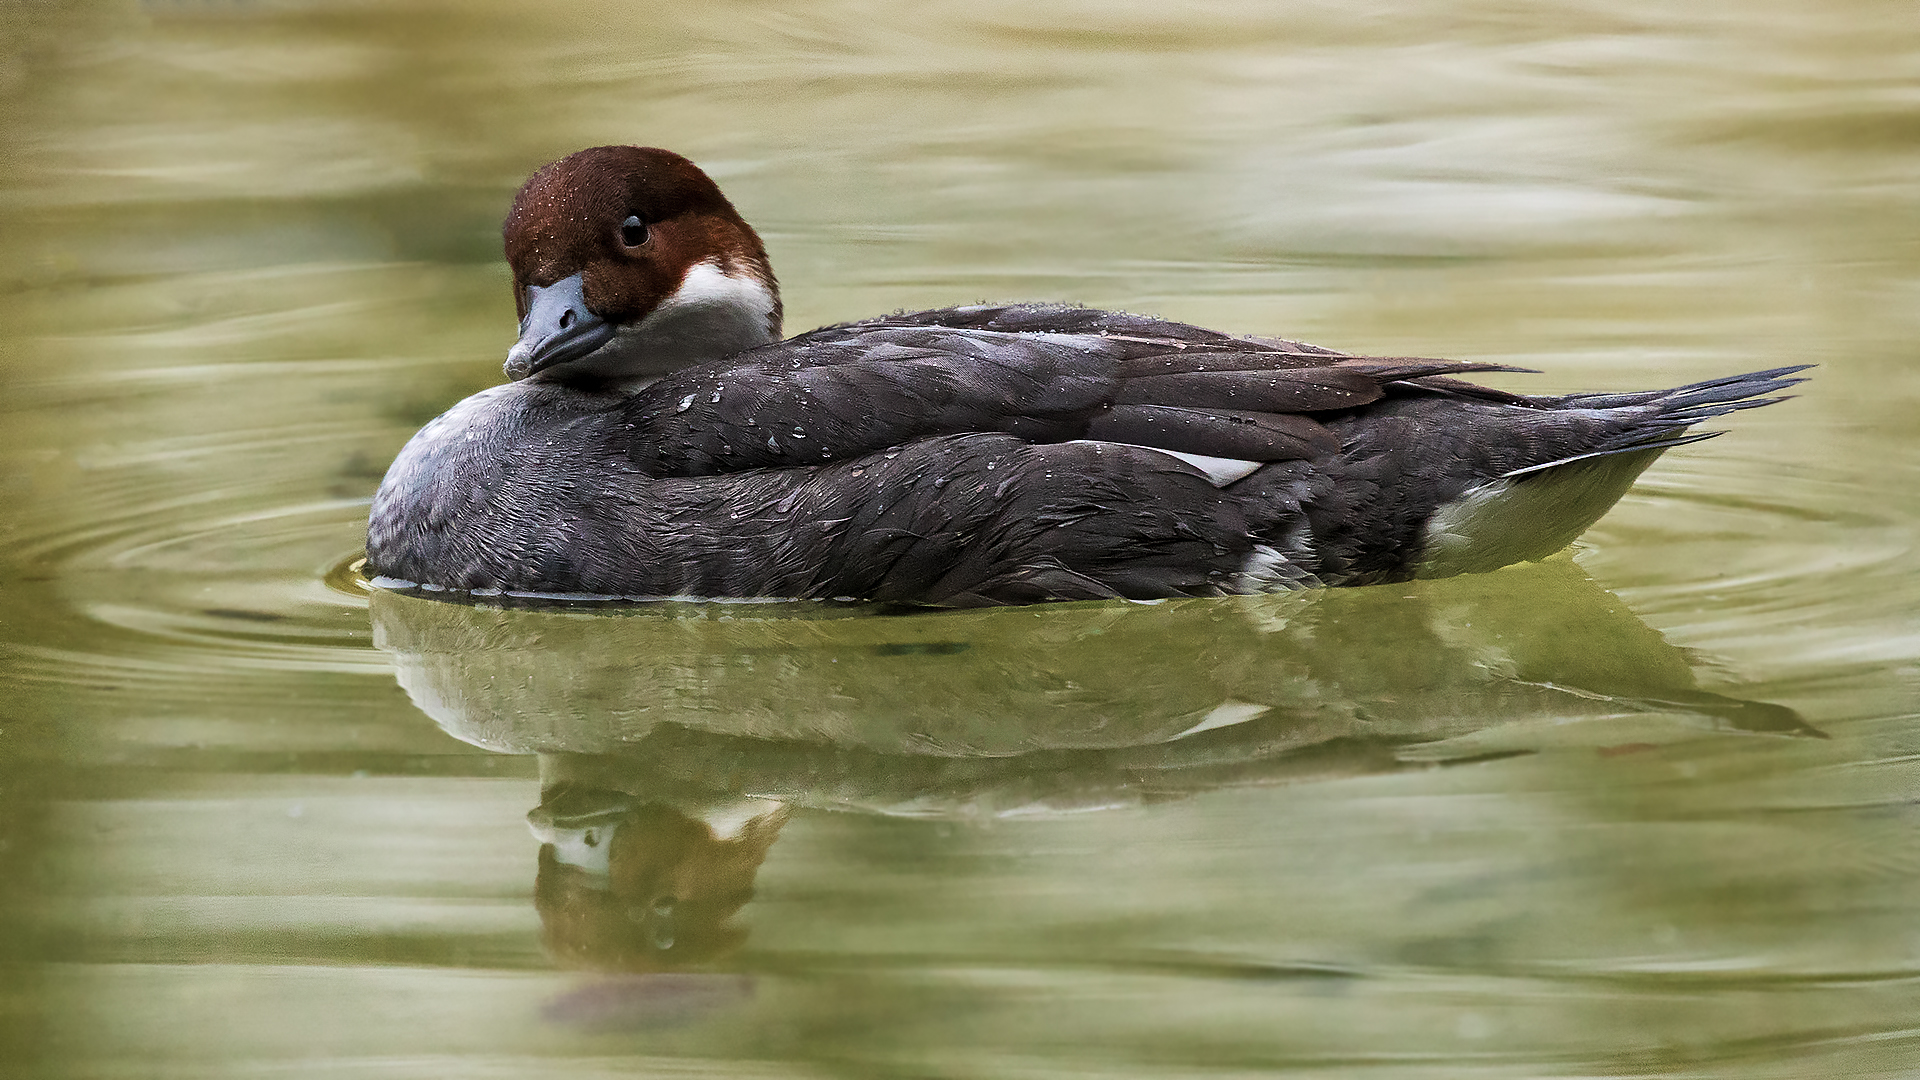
(1648, 810)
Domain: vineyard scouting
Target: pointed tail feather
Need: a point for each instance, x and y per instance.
(1701, 400)
(1677, 409)
(1531, 512)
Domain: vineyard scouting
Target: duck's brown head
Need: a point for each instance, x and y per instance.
(628, 263)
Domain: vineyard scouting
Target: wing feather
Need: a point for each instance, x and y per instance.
(1040, 373)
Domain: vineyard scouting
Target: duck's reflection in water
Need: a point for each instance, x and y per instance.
(635, 886)
(674, 740)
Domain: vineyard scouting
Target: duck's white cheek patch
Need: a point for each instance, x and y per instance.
(709, 316)
(728, 306)
(584, 849)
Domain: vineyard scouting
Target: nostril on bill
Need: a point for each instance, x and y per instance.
(566, 318)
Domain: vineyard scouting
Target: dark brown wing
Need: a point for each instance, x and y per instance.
(1044, 374)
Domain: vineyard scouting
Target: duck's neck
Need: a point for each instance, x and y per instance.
(713, 314)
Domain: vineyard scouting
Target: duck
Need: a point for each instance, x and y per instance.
(658, 438)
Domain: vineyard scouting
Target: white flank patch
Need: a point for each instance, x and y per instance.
(1226, 714)
(730, 821)
(1220, 471)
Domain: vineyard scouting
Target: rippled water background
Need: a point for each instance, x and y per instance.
(1568, 820)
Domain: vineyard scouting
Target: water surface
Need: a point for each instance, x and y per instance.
(1648, 808)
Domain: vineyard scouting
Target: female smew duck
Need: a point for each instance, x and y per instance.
(659, 439)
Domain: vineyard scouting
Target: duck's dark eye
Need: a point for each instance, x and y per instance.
(633, 231)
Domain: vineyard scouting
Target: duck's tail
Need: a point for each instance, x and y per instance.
(1532, 512)
(1677, 410)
